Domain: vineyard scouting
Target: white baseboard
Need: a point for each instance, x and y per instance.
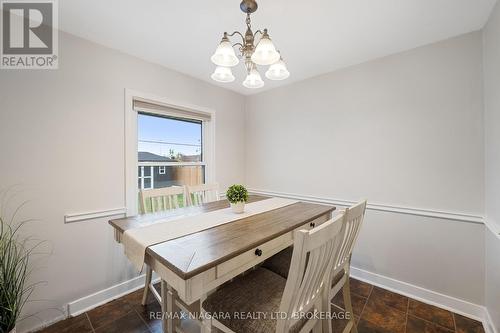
(488, 323)
(468, 309)
(44, 324)
(96, 299)
(106, 295)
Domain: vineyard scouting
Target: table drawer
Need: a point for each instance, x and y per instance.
(255, 255)
(260, 253)
(317, 222)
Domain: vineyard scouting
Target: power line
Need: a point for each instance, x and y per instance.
(170, 143)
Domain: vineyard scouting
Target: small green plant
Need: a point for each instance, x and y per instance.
(237, 193)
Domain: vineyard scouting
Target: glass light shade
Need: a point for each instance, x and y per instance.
(277, 71)
(265, 53)
(253, 80)
(222, 74)
(224, 55)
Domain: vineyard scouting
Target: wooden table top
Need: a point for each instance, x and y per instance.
(192, 254)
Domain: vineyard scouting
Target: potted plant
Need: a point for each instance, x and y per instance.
(15, 254)
(237, 196)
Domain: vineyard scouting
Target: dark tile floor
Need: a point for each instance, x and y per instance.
(376, 310)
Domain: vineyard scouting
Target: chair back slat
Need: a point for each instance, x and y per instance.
(350, 231)
(162, 198)
(204, 193)
(313, 255)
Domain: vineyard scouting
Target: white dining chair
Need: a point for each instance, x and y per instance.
(280, 263)
(200, 194)
(160, 199)
(165, 198)
(295, 299)
(341, 268)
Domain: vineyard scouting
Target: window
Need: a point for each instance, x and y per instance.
(146, 178)
(170, 151)
(166, 144)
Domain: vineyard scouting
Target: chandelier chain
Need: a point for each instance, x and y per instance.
(248, 21)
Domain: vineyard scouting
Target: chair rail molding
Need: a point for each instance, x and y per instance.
(456, 216)
(492, 226)
(76, 217)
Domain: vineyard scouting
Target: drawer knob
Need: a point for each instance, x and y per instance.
(258, 252)
(312, 224)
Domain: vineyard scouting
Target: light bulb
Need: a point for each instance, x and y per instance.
(253, 80)
(222, 74)
(277, 71)
(265, 53)
(224, 55)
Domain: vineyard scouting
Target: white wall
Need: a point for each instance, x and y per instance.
(62, 142)
(491, 45)
(404, 130)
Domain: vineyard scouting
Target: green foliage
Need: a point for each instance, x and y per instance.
(15, 254)
(237, 193)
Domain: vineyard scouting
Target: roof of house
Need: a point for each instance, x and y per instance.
(144, 156)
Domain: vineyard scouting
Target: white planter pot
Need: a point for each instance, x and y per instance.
(238, 207)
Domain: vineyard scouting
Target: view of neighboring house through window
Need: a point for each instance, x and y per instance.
(170, 151)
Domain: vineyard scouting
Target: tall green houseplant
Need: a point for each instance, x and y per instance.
(15, 253)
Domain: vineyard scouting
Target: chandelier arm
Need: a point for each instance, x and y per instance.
(238, 44)
(237, 33)
(257, 32)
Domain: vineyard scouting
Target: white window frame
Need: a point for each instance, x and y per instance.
(131, 146)
(150, 177)
(162, 170)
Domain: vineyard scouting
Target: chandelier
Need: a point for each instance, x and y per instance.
(251, 53)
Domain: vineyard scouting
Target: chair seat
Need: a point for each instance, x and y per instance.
(280, 264)
(258, 292)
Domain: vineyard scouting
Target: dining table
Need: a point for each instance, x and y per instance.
(193, 265)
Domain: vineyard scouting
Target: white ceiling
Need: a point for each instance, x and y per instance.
(314, 36)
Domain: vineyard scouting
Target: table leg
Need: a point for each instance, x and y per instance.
(166, 316)
(206, 322)
(170, 310)
(173, 308)
(149, 273)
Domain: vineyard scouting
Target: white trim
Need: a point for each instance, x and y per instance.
(468, 309)
(456, 216)
(489, 327)
(70, 218)
(131, 162)
(492, 226)
(94, 300)
(174, 105)
(104, 296)
(47, 323)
